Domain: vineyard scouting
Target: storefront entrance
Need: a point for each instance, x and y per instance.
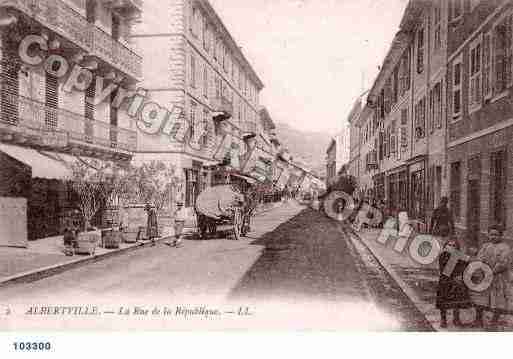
(474, 201)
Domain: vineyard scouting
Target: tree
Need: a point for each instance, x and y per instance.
(90, 183)
(152, 183)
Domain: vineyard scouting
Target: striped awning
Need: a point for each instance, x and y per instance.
(42, 165)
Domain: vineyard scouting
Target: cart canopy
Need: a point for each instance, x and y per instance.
(216, 202)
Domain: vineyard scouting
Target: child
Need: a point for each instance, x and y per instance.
(69, 242)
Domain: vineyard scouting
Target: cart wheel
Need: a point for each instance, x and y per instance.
(212, 228)
(237, 224)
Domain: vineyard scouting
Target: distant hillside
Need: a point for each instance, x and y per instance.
(311, 146)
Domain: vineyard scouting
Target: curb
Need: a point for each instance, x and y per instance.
(45, 272)
(422, 306)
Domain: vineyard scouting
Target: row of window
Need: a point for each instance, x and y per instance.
(213, 44)
(457, 8)
(200, 119)
(241, 110)
(490, 68)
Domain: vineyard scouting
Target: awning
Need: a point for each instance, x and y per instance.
(248, 179)
(49, 165)
(43, 166)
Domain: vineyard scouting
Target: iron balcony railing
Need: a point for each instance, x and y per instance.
(64, 20)
(249, 127)
(136, 5)
(114, 52)
(32, 117)
(223, 105)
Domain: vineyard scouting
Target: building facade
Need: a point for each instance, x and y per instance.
(337, 155)
(480, 106)
(192, 63)
(44, 125)
(402, 129)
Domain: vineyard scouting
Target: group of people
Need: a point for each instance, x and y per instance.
(363, 218)
(452, 293)
(152, 228)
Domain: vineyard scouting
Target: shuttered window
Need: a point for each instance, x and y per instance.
(113, 121)
(89, 110)
(475, 75)
(487, 66)
(10, 91)
(52, 101)
(502, 55)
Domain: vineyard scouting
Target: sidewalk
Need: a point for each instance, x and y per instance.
(417, 281)
(45, 257)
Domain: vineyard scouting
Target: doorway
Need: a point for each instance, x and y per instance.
(474, 201)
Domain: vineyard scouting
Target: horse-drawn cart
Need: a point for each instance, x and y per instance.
(221, 209)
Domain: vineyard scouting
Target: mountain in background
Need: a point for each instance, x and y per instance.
(310, 146)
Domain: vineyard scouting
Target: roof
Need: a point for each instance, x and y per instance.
(399, 44)
(237, 51)
(332, 143)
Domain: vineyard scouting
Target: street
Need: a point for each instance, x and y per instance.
(297, 270)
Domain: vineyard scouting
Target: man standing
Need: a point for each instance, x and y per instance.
(497, 255)
(180, 217)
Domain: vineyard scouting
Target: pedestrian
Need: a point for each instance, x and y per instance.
(70, 241)
(180, 218)
(498, 256)
(452, 293)
(442, 222)
(152, 229)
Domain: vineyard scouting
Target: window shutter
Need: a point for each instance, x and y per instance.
(404, 137)
(509, 50)
(440, 108)
(487, 66)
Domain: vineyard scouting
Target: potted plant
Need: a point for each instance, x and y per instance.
(89, 182)
(152, 184)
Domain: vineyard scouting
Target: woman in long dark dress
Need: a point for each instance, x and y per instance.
(452, 292)
(152, 229)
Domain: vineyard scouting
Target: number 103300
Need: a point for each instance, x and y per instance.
(32, 346)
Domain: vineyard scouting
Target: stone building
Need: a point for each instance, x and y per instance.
(193, 65)
(402, 142)
(480, 118)
(43, 124)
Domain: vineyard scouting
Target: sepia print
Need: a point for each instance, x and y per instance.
(264, 164)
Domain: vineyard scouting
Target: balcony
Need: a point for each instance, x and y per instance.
(71, 25)
(113, 52)
(125, 6)
(26, 121)
(249, 129)
(58, 17)
(223, 109)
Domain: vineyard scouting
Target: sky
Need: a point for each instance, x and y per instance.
(313, 56)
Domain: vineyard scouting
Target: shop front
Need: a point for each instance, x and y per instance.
(397, 182)
(417, 203)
